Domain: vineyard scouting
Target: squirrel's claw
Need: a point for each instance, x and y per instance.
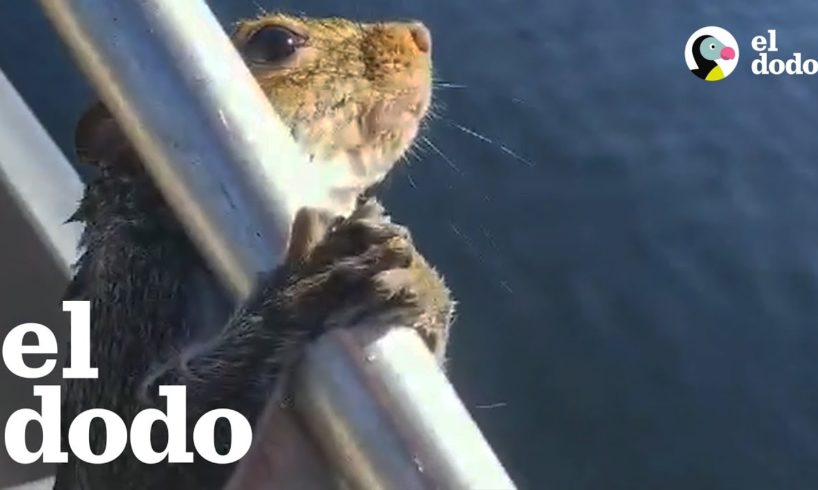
(366, 269)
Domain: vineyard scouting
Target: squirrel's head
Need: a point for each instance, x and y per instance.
(353, 94)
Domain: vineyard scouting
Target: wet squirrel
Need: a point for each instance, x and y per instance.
(354, 96)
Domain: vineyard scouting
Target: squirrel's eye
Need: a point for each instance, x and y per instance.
(271, 44)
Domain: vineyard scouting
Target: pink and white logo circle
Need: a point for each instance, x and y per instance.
(712, 53)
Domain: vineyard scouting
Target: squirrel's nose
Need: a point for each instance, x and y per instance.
(421, 36)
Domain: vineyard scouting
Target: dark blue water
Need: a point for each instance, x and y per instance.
(639, 290)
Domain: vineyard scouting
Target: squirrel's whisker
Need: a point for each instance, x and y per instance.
(490, 141)
(442, 155)
(447, 85)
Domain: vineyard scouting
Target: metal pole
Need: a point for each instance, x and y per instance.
(43, 183)
(44, 484)
(388, 418)
(233, 175)
(44, 186)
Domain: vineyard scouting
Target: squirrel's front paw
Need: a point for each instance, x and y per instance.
(367, 269)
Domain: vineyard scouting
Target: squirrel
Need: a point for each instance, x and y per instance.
(354, 95)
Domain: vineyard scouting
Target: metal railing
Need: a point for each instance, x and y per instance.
(42, 182)
(46, 190)
(371, 405)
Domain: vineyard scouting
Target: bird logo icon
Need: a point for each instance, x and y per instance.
(711, 53)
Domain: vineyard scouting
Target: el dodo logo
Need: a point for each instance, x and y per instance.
(15, 354)
(711, 53)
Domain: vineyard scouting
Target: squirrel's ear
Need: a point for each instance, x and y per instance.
(97, 136)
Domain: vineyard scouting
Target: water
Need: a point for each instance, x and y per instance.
(637, 298)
